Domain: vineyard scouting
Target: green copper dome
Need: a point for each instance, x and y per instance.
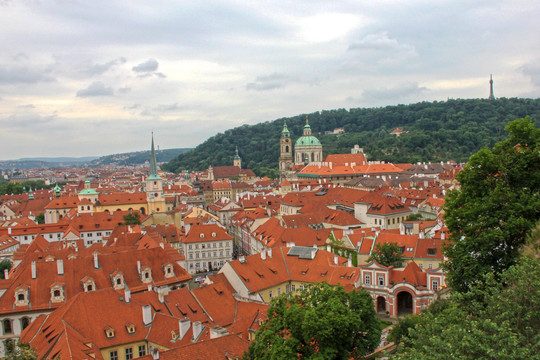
(307, 141)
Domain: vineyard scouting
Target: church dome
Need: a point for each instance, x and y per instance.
(309, 140)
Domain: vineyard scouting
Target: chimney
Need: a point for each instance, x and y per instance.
(149, 287)
(443, 235)
(34, 270)
(421, 234)
(162, 245)
(127, 295)
(313, 252)
(328, 248)
(269, 252)
(9, 230)
(197, 330)
(242, 259)
(155, 353)
(96, 261)
(335, 259)
(60, 266)
(6, 274)
(139, 266)
(184, 325)
(401, 229)
(147, 315)
(263, 254)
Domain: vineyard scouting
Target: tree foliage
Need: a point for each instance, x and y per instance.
(133, 218)
(19, 188)
(498, 204)
(5, 264)
(321, 322)
(497, 321)
(387, 254)
(437, 131)
(20, 351)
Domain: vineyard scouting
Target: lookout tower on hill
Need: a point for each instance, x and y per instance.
(491, 96)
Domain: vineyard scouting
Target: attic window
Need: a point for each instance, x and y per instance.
(431, 251)
(130, 328)
(201, 235)
(109, 332)
(324, 273)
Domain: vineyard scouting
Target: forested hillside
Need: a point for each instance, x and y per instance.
(137, 158)
(437, 131)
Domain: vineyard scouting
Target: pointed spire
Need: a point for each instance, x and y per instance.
(236, 156)
(153, 165)
(285, 132)
(491, 96)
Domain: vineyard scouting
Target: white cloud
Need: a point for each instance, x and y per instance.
(95, 89)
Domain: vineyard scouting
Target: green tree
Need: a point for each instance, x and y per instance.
(387, 254)
(133, 218)
(5, 264)
(497, 205)
(40, 218)
(321, 322)
(497, 321)
(20, 351)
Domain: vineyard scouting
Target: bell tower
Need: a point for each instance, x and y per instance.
(285, 152)
(237, 161)
(154, 185)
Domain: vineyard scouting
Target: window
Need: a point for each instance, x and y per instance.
(189, 247)
(367, 279)
(220, 244)
(381, 280)
(190, 256)
(8, 329)
(278, 291)
(287, 288)
(25, 321)
(435, 285)
(431, 251)
(20, 297)
(113, 355)
(293, 287)
(270, 294)
(430, 266)
(129, 353)
(142, 350)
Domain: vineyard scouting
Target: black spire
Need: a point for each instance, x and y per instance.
(491, 97)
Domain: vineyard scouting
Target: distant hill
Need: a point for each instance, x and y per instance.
(437, 131)
(45, 162)
(131, 158)
(137, 158)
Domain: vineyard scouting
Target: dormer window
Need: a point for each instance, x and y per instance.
(21, 296)
(146, 274)
(109, 332)
(57, 292)
(213, 234)
(130, 328)
(88, 284)
(169, 270)
(201, 235)
(117, 280)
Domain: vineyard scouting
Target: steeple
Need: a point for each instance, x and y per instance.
(236, 160)
(285, 132)
(153, 165)
(491, 96)
(307, 128)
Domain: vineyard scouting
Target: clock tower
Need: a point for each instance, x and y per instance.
(285, 152)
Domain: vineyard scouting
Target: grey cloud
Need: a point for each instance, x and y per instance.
(26, 120)
(163, 108)
(393, 94)
(149, 65)
(24, 75)
(124, 90)
(95, 89)
(269, 82)
(27, 106)
(532, 70)
(381, 42)
(98, 69)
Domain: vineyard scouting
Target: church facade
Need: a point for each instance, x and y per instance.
(307, 150)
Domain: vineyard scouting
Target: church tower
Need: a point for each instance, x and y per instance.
(154, 185)
(491, 96)
(237, 161)
(285, 151)
(307, 149)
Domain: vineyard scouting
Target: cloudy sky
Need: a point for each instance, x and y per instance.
(81, 77)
